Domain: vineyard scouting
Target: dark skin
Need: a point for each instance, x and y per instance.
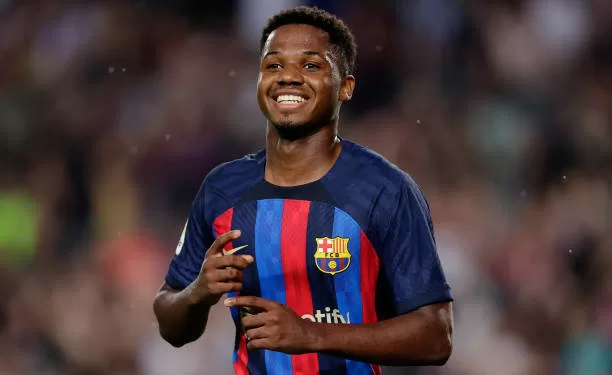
(182, 315)
(302, 146)
(298, 59)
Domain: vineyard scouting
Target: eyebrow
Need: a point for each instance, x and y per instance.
(309, 53)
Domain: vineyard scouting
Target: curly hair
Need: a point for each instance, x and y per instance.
(340, 36)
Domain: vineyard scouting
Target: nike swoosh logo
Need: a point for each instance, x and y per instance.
(232, 251)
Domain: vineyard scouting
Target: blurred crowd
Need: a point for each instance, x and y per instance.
(112, 112)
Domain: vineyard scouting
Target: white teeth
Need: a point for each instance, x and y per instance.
(292, 99)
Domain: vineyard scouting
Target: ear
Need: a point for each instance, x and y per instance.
(346, 88)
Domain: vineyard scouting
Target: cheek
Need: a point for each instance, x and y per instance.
(261, 91)
(260, 84)
(332, 87)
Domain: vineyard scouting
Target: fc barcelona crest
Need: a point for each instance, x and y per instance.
(332, 255)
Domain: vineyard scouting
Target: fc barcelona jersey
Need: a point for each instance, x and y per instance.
(356, 246)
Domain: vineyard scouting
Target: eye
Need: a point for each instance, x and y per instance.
(311, 66)
(273, 66)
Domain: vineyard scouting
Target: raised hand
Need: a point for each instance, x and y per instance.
(220, 273)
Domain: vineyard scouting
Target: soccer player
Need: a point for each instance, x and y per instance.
(325, 249)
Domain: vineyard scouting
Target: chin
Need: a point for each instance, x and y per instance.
(292, 131)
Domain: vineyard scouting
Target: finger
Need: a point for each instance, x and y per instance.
(225, 275)
(225, 287)
(252, 301)
(236, 261)
(263, 343)
(256, 333)
(216, 249)
(251, 321)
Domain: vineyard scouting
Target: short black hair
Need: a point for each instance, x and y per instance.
(339, 33)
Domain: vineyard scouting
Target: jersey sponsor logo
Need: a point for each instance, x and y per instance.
(179, 247)
(332, 255)
(328, 316)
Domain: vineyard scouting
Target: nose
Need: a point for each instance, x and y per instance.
(290, 75)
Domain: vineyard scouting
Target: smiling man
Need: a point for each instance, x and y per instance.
(325, 249)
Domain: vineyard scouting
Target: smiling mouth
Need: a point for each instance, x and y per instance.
(287, 102)
(290, 99)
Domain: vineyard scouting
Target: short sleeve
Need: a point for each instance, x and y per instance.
(195, 239)
(408, 253)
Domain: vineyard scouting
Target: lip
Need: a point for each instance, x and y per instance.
(280, 92)
(289, 106)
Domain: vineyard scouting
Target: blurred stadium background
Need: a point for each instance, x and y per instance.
(112, 112)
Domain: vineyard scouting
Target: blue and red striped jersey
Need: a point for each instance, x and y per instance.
(356, 246)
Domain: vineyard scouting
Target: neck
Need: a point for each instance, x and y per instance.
(301, 161)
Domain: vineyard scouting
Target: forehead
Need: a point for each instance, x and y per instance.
(297, 37)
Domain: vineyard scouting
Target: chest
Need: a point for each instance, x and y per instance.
(298, 246)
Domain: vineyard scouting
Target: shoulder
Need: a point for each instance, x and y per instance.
(370, 188)
(236, 174)
(370, 167)
(388, 196)
(227, 183)
(397, 189)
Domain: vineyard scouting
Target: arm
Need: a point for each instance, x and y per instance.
(419, 331)
(180, 317)
(416, 314)
(421, 337)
